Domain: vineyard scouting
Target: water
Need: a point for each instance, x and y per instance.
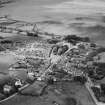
(85, 18)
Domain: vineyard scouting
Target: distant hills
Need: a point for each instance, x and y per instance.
(2, 2)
